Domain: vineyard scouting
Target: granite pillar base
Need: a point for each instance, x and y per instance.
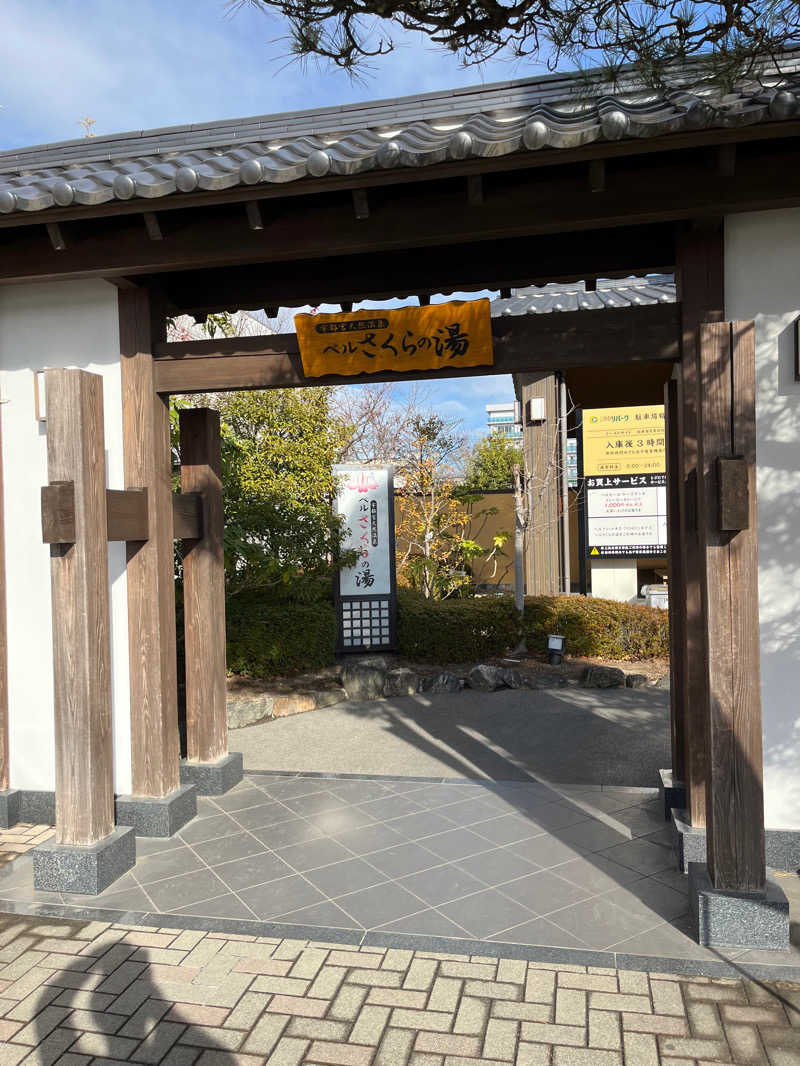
(672, 793)
(85, 869)
(737, 919)
(157, 816)
(9, 808)
(213, 778)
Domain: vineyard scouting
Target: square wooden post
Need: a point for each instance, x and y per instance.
(88, 854)
(677, 589)
(204, 590)
(155, 749)
(729, 542)
(699, 276)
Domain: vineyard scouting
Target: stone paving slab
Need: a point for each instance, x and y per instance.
(527, 870)
(94, 993)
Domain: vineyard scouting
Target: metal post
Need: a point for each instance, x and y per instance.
(564, 486)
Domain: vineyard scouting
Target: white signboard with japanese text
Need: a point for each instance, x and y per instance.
(624, 466)
(366, 591)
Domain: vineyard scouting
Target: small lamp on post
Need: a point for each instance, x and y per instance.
(555, 648)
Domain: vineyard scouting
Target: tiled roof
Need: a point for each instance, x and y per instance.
(556, 111)
(628, 292)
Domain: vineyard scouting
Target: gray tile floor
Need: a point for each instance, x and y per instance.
(515, 863)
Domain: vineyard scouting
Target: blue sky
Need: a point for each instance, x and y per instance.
(154, 63)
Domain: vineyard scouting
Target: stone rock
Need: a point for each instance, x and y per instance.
(636, 680)
(364, 679)
(512, 678)
(545, 679)
(603, 677)
(400, 682)
(294, 703)
(443, 682)
(327, 697)
(663, 682)
(247, 710)
(486, 678)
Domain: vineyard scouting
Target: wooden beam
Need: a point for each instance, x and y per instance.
(475, 190)
(153, 226)
(4, 749)
(360, 204)
(677, 612)
(521, 343)
(204, 589)
(58, 513)
(54, 232)
(253, 212)
(127, 514)
(187, 515)
(699, 278)
(735, 809)
(597, 175)
(667, 189)
(79, 584)
(513, 262)
(150, 566)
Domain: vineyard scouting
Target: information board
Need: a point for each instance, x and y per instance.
(366, 597)
(624, 465)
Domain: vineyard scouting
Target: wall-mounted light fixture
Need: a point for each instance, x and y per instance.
(555, 648)
(39, 406)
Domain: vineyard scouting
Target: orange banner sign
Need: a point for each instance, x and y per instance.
(438, 337)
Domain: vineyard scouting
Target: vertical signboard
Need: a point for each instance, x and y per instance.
(366, 594)
(624, 468)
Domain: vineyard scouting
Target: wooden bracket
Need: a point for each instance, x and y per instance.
(187, 515)
(58, 513)
(733, 490)
(127, 515)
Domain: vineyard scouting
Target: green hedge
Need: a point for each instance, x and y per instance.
(270, 636)
(604, 628)
(455, 630)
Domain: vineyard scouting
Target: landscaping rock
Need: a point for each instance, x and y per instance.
(603, 677)
(295, 703)
(400, 682)
(545, 679)
(443, 682)
(364, 679)
(512, 678)
(327, 697)
(486, 678)
(636, 680)
(246, 710)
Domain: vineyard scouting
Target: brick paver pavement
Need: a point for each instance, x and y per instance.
(79, 994)
(21, 838)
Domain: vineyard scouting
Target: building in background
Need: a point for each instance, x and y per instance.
(504, 418)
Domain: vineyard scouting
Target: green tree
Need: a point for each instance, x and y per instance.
(730, 37)
(491, 465)
(278, 451)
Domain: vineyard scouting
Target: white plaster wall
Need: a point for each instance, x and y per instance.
(57, 324)
(762, 282)
(615, 579)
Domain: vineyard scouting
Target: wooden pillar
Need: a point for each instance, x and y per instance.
(81, 640)
(541, 442)
(5, 766)
(204, 590)
(150, 564)
(699, 276)
(677, 597)
(729, 543)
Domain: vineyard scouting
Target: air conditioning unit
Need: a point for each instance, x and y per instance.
(536, 409)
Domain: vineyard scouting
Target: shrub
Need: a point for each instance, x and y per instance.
(269, 635)
(603, 628)
(455, 630)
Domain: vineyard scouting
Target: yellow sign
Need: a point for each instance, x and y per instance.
(438, 337)
(624, 440)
